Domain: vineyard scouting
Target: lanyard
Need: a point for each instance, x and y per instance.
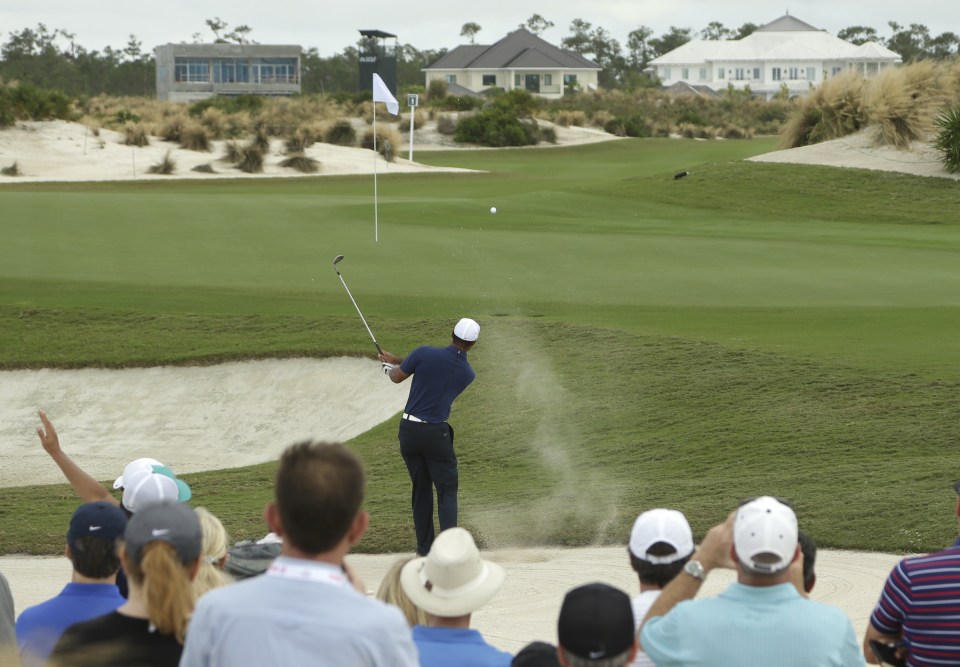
(321, 575)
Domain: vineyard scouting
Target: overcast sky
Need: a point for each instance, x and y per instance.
(330, 26)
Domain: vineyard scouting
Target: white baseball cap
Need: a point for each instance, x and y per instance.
(661, 525)
(765, 535)
(147, 482)
(133, 469)
(467, 330)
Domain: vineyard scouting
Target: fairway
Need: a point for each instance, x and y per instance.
(751, 328)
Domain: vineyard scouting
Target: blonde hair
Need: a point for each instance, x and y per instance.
(216, 542)
(167, 591)
(392, 592)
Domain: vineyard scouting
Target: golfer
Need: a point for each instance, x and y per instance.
(440, 374)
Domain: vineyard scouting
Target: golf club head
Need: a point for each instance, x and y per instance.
(337, 259)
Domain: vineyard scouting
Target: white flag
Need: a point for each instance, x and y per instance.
(382, 94)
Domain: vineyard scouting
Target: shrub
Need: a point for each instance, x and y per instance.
(496, 127)
(948, 138)
(12, 170)
(166, 166)
(195, 137)
(301, 139)
(135, 134)
(437, 89)
(228, 104)
(22, 101)
(548, 134)
(205, 168)
(301, 163)
(446, 124)
(832, 110)
(418, 120)
(125, 116)
(903, 102)
(388, 141)
(601, 118)
(341, 133)
(232, 152)
(250, 159)
(215, 120)
(172, 130)
(464, 103)
(261, 137)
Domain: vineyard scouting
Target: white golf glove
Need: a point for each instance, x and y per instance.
(387, 367)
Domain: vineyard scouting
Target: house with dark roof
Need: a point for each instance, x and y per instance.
(786, 52)
(519, 60)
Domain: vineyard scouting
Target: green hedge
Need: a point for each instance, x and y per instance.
(26, 102)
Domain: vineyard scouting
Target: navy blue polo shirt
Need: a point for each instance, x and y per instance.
(440, 374)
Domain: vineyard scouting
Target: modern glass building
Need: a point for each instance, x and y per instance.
(190, 72)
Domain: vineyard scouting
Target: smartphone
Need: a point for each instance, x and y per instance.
(887, 654)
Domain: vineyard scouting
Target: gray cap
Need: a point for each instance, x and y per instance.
(174, 523)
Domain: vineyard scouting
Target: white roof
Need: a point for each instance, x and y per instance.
(771, 44)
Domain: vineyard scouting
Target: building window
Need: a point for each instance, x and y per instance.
(685, 73)
(489, 79)
(721, 73)
(517, 80)
(548, 79)
(811, 74)
(738, 74)
(756, 73)
(666, 73)
(703, 73)
(775, 74)
(191, 70)
(793, 73)
(836, 70)
(451, 78)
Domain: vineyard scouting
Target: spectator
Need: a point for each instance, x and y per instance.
(391, 592)
(161, 554)
(536, 654)
(92, 591)
(8, 638)
(596, 628)
(661, 543)
(808, 550)
(450, 583)
(306, 609)
(762, 619)
(216, 541)
(144, 481)
(918, 608)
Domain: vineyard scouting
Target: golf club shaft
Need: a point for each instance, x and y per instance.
(362, 318)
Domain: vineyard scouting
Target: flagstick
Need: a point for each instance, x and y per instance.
(376, 226)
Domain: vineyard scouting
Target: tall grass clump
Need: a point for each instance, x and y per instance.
(388, 142)
(250, 159)
(166, 166)
(902, 102)
(947, 142)
(261, 136)
(231, 152)
(12, 170)
(832, 110)
(172, 128)
(135, 134)
(195, 137)
(418, 120)
(446, 124)
(302, 163)
(300, 140)
(215, 120)
(341, 133)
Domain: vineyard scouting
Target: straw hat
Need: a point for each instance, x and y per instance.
(452, 580)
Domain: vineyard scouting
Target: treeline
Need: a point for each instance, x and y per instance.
(52, 58)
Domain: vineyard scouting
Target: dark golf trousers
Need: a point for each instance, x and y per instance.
(427, 450)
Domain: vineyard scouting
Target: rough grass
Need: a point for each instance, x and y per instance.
(902, 102)
(301, 163)
(832, 110)
(135, 134)
(195, 137)
(250, 158)
(340, 133)
(387, 144)
(300, 140)
(205, 168)
(166, 166)
(12, 170)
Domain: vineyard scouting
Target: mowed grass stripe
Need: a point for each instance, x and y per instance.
(646, 341)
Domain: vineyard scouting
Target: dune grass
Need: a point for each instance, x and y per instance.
(752, 328)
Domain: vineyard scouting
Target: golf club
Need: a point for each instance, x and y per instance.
(337, 260)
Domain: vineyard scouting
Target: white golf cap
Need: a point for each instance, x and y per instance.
(765, 535)
(467, 330)
(661, 525)
(133, 469)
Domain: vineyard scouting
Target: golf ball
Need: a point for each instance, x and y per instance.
(493, 209)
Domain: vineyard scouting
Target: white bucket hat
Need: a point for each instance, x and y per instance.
(452, 580)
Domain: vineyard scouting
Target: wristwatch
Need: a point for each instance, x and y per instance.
(695, 569)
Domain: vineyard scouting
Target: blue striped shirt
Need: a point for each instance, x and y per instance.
(921, 602)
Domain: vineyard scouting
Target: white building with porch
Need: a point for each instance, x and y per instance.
(786, 52)
(519, 60)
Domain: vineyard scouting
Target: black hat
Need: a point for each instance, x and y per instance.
(596, 622)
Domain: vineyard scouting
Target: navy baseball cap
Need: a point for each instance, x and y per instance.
(596, 622)
(101, 519)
